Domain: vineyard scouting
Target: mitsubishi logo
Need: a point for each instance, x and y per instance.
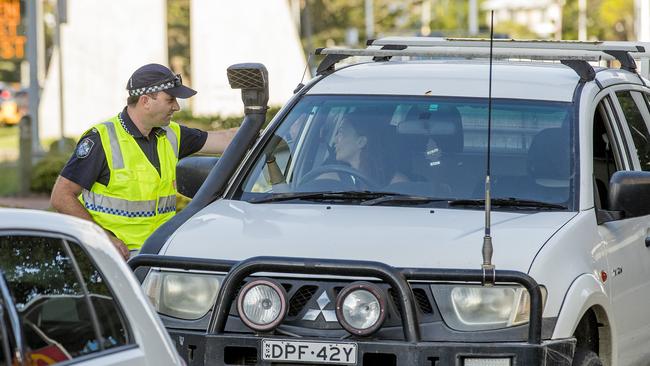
(323, 301)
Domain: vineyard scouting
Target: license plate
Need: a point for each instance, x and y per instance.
(317, 352)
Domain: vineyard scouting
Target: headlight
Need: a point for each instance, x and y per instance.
(262, 304)
(182, 295)
(473, 307)
(360, 308)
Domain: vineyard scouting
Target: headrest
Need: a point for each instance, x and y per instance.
(443, 124)
(549, 156)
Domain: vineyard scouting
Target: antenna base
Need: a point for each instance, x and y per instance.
(489, 275)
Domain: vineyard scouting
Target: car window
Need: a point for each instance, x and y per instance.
(631, 102)
(426, 146)
(52, 303)
(607, 154)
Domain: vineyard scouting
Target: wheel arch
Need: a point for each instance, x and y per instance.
(585, 313)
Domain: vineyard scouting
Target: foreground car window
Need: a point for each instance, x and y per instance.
(50, 300)
(424, 146)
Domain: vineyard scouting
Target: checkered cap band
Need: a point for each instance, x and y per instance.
(167, 84)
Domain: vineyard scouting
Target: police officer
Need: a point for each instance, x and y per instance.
(122, 174)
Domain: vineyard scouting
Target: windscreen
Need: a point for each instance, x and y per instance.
(418, 146)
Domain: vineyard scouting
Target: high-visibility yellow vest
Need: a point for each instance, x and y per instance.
(137, 200)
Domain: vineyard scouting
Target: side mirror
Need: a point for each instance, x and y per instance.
(629, 192)
(191, 172)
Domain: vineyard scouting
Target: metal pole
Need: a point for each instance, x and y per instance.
(306, 23)
(473, 17)
(425, 29)
(34, 87)
(370, 20)
(582, 20)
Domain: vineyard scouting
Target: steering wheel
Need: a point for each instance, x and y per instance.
(338, 168)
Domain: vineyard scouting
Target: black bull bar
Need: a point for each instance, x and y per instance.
(397, 278)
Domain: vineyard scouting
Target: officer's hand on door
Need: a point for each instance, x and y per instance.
(120, 246)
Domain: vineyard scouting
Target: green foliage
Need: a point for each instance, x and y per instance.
(331, 18)
(8, 178)
(68, 147)
(514, 30)
(45, 172)
(611, 20)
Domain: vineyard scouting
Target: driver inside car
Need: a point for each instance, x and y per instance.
(359, 154)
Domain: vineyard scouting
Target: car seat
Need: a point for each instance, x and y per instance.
(549, 165)
(432, 140)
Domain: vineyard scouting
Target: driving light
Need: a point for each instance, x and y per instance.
(262, 304)
(184, 295)
(360, 308)
(473, 307)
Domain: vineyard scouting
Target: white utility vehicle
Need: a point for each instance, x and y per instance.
(352, 230)
(67, 297)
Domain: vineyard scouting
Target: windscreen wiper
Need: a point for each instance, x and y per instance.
(322, 196)
(401, 198)
(509, 202)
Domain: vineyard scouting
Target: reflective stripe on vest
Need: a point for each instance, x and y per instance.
(167, 204)
(120, 207)
(118, 161)
(171, 136)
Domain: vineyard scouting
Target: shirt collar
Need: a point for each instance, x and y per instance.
(132, 129)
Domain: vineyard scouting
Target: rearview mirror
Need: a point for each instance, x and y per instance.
(191, 173)
(629, 192)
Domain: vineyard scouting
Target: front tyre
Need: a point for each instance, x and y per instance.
(584, 357)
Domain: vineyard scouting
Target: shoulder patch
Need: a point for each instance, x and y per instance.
(84, 148)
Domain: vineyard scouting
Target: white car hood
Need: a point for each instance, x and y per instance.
(398, 236)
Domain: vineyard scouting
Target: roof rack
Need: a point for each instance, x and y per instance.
(577, 52)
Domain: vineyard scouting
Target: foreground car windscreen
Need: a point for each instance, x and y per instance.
(424, 150)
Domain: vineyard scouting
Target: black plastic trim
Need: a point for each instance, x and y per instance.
(626, 60)
(558, 352)
(577, 93)
(327, 65)
(582, 68)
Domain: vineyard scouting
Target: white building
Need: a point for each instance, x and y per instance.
(103, 43)
(227, 32)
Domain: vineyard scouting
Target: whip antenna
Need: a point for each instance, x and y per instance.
(488, 267)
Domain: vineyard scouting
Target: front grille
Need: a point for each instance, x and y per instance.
(421, 299)
(300, 299)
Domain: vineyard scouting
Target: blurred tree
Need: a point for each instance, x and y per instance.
(331, 18)
(611, 20)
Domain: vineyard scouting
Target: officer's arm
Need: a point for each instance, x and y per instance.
(217, 141)
(64, 199)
